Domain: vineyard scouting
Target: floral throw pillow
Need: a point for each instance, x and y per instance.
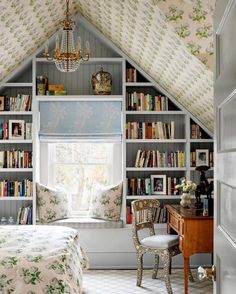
(52, 204)
(106, 202)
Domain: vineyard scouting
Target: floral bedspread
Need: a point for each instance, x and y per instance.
(40, 259)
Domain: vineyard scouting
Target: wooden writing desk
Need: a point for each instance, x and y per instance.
(195, 231)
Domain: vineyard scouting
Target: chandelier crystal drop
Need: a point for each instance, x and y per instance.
(68, 57)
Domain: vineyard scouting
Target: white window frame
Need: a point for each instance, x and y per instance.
(47, 174)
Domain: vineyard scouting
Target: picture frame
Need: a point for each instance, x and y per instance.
(202, 157)
(16, 129)
(2, 98)
(158, 184)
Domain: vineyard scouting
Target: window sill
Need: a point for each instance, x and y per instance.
(87, 223)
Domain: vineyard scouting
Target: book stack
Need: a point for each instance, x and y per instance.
(28, 131)
(141, 102)
(41, 85)
(131, 75)
(160, 215)
(25, 216)
(19, 103)
(128, 215)
(155, 158)
(22, 188)
(157, 215)
(150, 130)
(4, 130)
(196, 132)
(171, 183)
(15, 159)
(138, 186)
(57, 90)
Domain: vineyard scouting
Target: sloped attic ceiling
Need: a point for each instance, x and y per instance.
(138, 27)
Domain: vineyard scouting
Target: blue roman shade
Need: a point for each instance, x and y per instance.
(89, 120)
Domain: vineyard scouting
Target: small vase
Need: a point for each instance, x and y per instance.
(185, 200)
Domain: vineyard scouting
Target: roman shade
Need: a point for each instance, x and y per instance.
(88, 120)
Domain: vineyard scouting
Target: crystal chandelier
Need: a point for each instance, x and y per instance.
(67, 58)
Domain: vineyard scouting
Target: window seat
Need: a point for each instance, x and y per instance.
(87, 223)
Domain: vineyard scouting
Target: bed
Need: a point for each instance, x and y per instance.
(40, 259)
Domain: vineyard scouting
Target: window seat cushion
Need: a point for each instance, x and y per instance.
(87, 223)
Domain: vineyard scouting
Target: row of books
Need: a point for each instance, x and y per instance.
(15, 130)
(15, 159)
(150, 130)
(196, 132)
(20, 103)
(141, 102)
(157, 215)
(22, 188)
(131, 75)
(155, 158)
(25, 216)
(142, 186)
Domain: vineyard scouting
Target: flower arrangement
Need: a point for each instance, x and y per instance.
(186, 186)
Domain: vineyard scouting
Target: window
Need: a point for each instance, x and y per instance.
(79, 166)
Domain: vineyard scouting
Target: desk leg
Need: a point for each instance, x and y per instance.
(186, 270)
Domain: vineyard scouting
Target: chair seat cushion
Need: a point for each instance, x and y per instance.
(160, 241)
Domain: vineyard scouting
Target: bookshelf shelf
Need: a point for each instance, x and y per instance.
(194, 169)
(136, 169)
(10, 170)
(155, 112)
(145, 84)
(16, 113)
(156, 141)
(13, 198)
(16, 141)
(201, 140)
(17, 85)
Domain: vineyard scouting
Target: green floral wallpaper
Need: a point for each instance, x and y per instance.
(193, 22)
(161, 36)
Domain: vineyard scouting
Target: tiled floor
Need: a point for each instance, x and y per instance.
(124, 282)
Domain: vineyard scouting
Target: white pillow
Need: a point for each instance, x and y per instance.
(105, 202)
(52, 204)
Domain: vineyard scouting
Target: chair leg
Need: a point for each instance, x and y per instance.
(139, 269)
(156, 266)
(190, 276)
(170, 266)
(166, 262)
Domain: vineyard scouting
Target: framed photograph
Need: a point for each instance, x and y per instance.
(16, 129)
(2, 103)
(202, 157)
(158, 184)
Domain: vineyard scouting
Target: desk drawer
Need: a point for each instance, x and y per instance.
(174, 222)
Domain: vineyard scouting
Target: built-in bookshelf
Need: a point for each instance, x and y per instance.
(159, 135)
(161, 142)
(17, 191)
